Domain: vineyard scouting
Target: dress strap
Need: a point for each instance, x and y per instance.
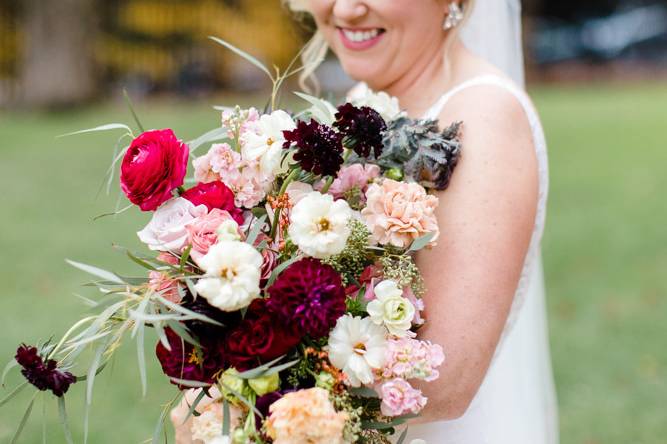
(488, 79)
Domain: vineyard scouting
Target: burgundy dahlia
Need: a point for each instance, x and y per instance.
(318, 147)
(260, 338)
(185, 361)
(308, 296)
(362, 129)
(44, 375)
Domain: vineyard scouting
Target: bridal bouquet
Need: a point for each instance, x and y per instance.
(281, 283)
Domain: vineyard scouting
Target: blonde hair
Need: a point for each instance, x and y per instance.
(316, 48)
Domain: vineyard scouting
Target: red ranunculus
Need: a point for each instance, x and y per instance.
(260, 338)
(214, 195)
(154, 165)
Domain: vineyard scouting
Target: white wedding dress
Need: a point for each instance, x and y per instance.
(516, 403)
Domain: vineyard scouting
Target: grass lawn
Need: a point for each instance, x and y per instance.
(605, 256)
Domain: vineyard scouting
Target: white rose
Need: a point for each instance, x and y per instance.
(228, 231)
(233, 271)
(391, 309)
(319, 225)
(264, 140)
(383, 103)
(167, 229)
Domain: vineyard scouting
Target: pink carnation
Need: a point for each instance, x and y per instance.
(399, 398)
(397, 213)
(409, 358)
(351, 176)
(202, 232)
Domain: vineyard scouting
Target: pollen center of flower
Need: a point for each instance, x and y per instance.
(360, 348)
(194, 358)
(323, 224)
(228, 273)
(270, 141)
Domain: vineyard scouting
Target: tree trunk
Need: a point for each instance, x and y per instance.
(58, 67)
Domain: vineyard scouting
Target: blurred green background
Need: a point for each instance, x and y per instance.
(605, 246)
(605, 257)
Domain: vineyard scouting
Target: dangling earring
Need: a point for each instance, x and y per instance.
(454, 17)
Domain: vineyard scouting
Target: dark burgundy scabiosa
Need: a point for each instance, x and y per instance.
(45, 375)
(203, 329)
(318, 147)
(308, 296)
(260, 338)
(185, 361)
(362, 129)
(214, 195)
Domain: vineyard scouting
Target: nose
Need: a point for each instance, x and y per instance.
(349, 10)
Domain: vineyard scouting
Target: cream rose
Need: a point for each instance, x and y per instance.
(391, 309)
(167, 230)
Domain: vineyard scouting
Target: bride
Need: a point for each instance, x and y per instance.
(462, 61)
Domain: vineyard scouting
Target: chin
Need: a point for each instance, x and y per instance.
(362, 70)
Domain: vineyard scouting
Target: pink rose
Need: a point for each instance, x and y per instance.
(162, 283)
(167, 229)
(399, 398)
(154, 165)
(397, 213)
(214, 195)
(202, 232)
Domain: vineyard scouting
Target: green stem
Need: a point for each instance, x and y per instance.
(276, 214)
(327, 184)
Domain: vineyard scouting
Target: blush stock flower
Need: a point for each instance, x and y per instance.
(399, 398)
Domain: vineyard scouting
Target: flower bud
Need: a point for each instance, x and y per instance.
(325, 380)
(265, 384)
(394, 174)
(228, 230)
(230, 384)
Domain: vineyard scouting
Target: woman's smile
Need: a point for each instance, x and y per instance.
(359, 39)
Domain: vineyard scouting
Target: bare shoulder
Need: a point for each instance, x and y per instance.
(496, 130)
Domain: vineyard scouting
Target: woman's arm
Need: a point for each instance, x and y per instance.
(486, 218)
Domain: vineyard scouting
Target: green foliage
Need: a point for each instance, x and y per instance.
(355, 256)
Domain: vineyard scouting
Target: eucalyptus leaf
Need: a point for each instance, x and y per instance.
(194, 405)
(189, 383)
(401, 439)
(421, 242)
(107, 127)
(13, 393)
(256, 228)
(24, 419)
(141, 358)
(243, 54)
(62, 411)
(104, 274)
(322, 110)
(280, 268)
(10, 365)
(243, 399)
(210, 136)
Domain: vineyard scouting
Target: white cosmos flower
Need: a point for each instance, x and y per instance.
(233, 271)
(383, 103)
(167, 229)
(357, 347)
(319, 225)
(264, 140)
(391, 309)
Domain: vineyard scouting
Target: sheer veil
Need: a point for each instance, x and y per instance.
(493, 32)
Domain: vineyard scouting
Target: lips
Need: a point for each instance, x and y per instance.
(360, 39)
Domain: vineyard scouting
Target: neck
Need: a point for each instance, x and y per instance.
(421, 85)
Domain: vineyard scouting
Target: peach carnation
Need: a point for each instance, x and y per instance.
(306, 416)
(397, 213)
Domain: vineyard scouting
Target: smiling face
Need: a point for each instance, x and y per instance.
(380, 41)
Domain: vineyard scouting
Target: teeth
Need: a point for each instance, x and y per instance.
(360, 36)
